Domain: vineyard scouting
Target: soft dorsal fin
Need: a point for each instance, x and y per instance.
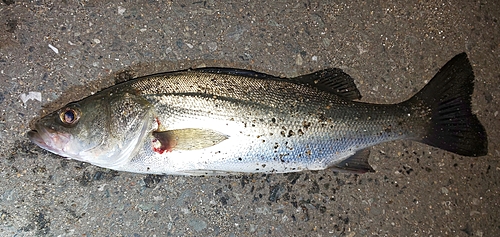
(357, 163)
(186, 139)
(332, 80)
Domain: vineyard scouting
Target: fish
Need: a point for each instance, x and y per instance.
(222, 121)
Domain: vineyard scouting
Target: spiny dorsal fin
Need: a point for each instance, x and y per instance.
(235, 72)
(357, 163)
(332, 80)
(186, 139)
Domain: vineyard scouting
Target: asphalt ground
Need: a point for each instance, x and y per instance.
(55, 52)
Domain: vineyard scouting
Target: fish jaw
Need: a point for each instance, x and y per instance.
(51, 140)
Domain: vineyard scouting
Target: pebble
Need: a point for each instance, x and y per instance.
(212, 46)
(121, 10)
(198, 224)
(299, 60)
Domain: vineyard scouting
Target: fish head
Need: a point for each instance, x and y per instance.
(69, 131)
(103, 130)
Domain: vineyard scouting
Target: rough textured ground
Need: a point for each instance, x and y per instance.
(391, 48)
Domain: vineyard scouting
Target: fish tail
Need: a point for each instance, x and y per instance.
(450, 123)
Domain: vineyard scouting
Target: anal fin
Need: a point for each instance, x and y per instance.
(186, 139)
(357, 163)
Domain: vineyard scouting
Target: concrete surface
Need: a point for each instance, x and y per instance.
(391, 48)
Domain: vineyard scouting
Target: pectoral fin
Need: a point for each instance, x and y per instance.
(186, 139)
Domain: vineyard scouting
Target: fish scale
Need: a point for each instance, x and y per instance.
(312, 150)
(217, 121)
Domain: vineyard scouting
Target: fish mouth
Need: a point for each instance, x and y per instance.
(50, 139)
(35, 137)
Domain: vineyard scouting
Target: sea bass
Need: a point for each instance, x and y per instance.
(216, 121)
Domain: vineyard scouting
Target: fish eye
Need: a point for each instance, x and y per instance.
(69, 116)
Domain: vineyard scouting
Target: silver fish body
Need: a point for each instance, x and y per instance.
(222, 121)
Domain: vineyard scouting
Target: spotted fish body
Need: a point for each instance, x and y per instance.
(222, 121)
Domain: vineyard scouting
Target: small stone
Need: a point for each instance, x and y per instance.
(121, 10)
(212, 46)
(298, 60)
(475, 201)
(198, 224)
(326, 42)
(253, 228)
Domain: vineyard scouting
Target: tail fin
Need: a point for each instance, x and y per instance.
(453, 127)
